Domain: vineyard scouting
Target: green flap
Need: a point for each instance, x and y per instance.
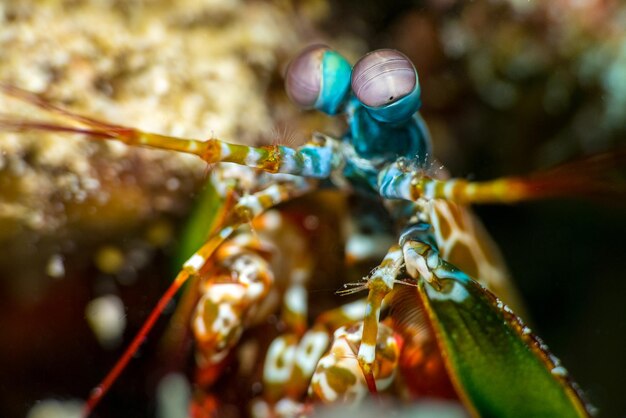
(206, 212)
(499, 368)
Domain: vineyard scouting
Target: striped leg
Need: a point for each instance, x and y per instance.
(413, 253)
(589, 176)
(292, 356)
(330, 371)
(416, 252)
(234, 290)
(239, 277)
(213, 205)
(339, 375)
(316, 159)
(244, 211)
(379, 284)
(291, 360)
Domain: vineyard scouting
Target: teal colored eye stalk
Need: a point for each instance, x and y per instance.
(318, 78)
(382, 113)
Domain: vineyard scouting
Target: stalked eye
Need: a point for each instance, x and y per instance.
(318, 78)
(382, 77)
(304, 75)
(385, 82)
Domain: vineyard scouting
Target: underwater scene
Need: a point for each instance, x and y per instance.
(294, 208)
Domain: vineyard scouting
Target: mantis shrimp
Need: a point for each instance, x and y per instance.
(436, 320)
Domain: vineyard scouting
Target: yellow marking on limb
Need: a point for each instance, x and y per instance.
(189, 146)
(379, 284)
(273, 157)
(504, 190)
(370, 326)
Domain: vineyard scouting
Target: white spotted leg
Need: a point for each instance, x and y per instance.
(292, 356)
(419, 257)
(243, 212)
(323, 364)
(339, 377)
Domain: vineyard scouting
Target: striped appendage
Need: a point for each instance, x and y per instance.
(316, 159)
(292, 357)
(585, 177)
(379, 284)
(322, 364)
(399, 180)
(248, 208)
(238, 279)
(290, 362)
(272, 258)
(338, 376)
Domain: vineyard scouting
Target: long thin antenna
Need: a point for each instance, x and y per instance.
(103, 387)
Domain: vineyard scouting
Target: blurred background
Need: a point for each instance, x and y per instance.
(508, 87)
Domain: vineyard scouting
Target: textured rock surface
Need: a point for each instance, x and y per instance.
(191, 68)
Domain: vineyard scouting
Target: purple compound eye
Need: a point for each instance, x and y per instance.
(383, 77)
(303, 80)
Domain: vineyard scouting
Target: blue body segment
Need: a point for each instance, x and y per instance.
(378, 143)
(373, 139)
(421, 232)
(393, 183)
(376, 136)
(317, 161)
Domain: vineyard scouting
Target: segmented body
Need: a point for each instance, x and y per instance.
(385, 156)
